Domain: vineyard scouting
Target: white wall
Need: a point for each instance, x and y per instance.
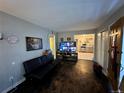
(10, 25)
(71, 34)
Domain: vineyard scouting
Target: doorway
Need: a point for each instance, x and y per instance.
(52, 45)
(121, 77)
(85, 46)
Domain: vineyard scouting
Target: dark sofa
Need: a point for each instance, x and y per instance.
(39, 67)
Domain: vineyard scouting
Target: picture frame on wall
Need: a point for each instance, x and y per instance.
(61, 39)
(68, 38)
(33, 43)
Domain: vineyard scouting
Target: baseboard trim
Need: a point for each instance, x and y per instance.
(16, 84)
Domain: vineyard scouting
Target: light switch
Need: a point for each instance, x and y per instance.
(1, 36)
(13, 63)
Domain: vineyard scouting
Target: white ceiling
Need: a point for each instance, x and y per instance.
(62, 15)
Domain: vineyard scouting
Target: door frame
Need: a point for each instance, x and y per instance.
(94, 36)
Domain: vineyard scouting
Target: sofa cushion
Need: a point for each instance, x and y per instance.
(32, 64)
(47, 58)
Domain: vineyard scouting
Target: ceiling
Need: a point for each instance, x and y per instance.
(62, 15)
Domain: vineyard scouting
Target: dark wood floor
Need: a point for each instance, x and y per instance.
(70, 77)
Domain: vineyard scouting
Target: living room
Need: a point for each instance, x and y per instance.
(14, 29)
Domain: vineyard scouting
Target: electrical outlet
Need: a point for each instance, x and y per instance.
(11, 78)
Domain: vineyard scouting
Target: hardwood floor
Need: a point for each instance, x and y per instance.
(70, 77)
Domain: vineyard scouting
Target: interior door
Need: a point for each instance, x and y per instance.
(52, 45)
(115, 46)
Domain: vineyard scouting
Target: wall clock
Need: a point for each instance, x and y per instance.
(12, 39)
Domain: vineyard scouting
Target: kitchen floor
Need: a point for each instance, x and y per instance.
(85, 56)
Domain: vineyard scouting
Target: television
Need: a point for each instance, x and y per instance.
(67, 46)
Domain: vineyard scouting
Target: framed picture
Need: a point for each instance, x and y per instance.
(61, 39)
(33, 43)
(68, 38)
